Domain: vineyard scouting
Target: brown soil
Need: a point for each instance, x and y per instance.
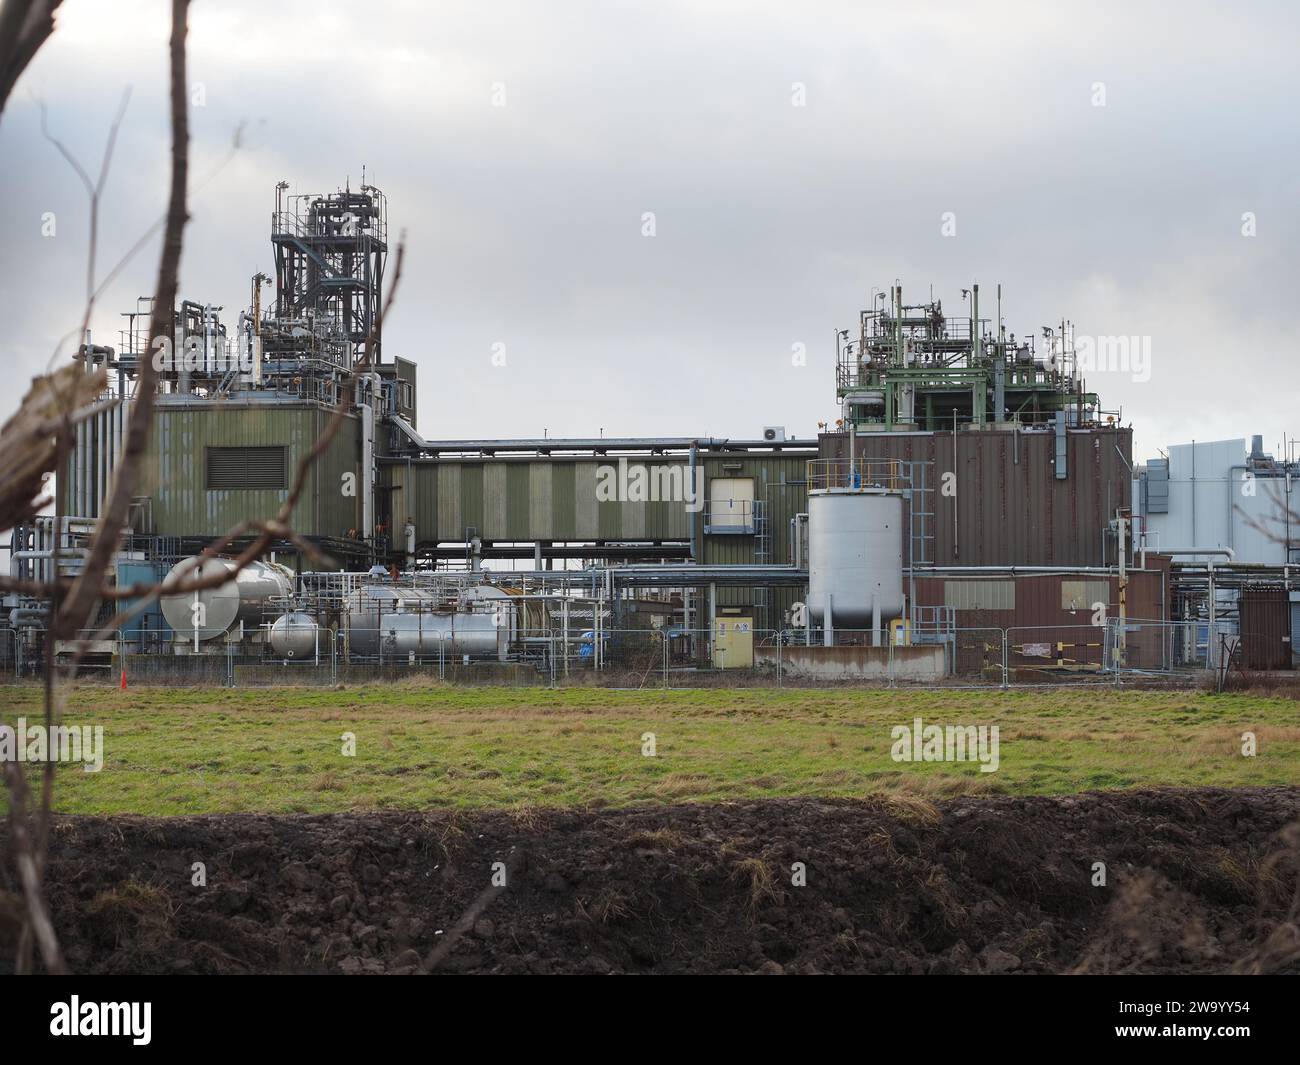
(1198, 881)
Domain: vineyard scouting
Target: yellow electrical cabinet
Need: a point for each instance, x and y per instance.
(733, 643)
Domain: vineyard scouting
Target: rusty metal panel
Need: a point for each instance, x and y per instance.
(1265, 615)
(1010, 508)
(1038, 601)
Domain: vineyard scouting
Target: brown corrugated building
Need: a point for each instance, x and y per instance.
(1010, 506)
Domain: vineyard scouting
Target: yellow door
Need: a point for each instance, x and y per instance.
(733, 643)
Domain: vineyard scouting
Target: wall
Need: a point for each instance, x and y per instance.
(1040, 614)
(173, 475)
(1209, 508)
(922, 663)
(523, 499)
(1010, 507)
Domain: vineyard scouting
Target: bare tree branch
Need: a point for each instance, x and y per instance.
(25, 25)
(85, 592)
(82, 596)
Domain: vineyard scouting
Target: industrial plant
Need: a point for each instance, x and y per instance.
(973, 507)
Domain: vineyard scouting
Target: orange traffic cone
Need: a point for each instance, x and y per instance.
(124, 678)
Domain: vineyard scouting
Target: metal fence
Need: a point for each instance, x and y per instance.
(730, 653)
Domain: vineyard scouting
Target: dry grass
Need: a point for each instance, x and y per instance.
(609, 907)
(658, 839)
(135, 911)
(755, 877)
(913, 808)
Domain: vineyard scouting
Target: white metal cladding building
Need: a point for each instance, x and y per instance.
(1218, 494)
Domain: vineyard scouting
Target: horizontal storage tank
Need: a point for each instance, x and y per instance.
(855, 550)
(454, 633)
(368, 604)
(259, 590)
(295, 635)
(393, 620)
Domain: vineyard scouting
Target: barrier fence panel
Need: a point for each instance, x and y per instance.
(1058, 654)
(732, 652)
(978, 656)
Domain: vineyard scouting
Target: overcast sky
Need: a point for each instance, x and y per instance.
(772, 221)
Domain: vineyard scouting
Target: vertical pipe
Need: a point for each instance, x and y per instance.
(955, 552)
(367, 469)
(713, 620)
(1121, 643)
(1211, 637)
(564, 618)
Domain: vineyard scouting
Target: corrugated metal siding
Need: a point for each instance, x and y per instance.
(1265, 615)
(1039, 619)
(471, 498)
(447, 489)
(1039, 596)
(980, 595)
(175, 478)
(522, 500)
(1011, 509)
(495, 496)
(541, 520)
(780, 485)
(556, 499)
(586, 521)
(1083, 594)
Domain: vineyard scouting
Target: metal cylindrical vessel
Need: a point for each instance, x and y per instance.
(295, 635)
(458, 633)
(368, 605)
(855, 551)
(248, 596)
(205, 613)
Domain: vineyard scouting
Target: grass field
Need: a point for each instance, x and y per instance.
(280, 750)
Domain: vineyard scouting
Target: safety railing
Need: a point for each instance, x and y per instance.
(891, 474)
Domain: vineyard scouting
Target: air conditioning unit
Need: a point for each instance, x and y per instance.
(773, 432)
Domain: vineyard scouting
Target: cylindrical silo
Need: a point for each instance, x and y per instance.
(855, 552)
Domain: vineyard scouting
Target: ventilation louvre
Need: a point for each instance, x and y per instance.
(251, 468)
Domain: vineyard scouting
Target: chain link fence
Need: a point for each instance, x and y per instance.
(730, 653)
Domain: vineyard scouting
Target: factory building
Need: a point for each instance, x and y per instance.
(1224, 512)
(1220, 495)
(967, 471)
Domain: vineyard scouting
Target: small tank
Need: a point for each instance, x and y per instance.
(295, 635)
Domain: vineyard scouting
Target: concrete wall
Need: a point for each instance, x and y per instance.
(924, 663)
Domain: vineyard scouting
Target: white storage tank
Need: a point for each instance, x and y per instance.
(367, 606)
(427, 635)
(259, 589)
(295, 635)
(855, 550)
